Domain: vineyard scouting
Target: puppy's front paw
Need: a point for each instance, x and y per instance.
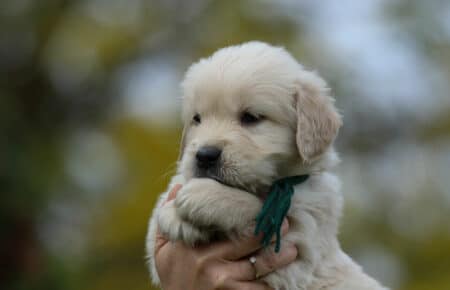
(207, 203)
(174, 228)
(193, 200)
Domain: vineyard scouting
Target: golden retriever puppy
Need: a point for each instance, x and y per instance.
(253, 115)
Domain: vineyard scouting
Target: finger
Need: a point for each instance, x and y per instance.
(235, 250)
(160, 239)
(241, 270)
(268, 261)
(173, 193)
(247, 285)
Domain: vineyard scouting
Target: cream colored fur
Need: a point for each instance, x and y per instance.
(294, 137)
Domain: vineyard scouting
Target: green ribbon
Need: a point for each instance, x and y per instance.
(275, 209)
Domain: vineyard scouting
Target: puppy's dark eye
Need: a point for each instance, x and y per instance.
(249, 119)
(196, 119)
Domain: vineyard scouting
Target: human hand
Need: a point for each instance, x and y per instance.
(219, 265)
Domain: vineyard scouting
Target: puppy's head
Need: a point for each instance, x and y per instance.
(251, 114)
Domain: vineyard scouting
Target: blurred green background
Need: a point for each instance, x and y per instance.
(89, 104)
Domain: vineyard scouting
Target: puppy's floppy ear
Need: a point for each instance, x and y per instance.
(318, 121)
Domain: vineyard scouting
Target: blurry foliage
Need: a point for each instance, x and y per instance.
(58, 66)
(119, 245)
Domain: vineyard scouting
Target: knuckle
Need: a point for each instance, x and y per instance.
(269, 261)
(220, 280)
(202, 264)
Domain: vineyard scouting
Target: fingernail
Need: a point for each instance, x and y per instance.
(173, 192)
(177, 187)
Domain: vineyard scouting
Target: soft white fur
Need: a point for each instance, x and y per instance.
(295, 137)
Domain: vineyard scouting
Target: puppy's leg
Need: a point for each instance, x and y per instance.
(207, 203)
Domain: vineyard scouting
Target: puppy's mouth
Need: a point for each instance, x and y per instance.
(212, 173)
(216, 174)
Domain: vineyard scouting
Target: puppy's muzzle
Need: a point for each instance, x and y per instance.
(207, 157)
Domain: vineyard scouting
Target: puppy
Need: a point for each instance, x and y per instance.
(253, 115)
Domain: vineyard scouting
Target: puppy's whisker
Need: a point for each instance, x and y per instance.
(170, 171)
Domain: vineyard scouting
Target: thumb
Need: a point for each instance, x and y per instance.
(160, 239)
(172, 194)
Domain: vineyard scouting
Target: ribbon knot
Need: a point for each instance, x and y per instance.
(275, 209)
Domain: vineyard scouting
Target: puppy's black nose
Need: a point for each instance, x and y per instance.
(207, 156)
